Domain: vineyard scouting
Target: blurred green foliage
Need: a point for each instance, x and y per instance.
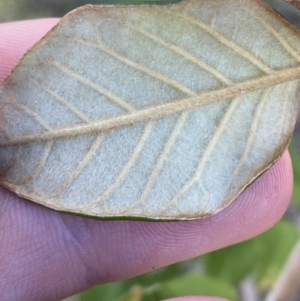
(261, 257)
(217, 273)
(181, 285)
(295, 155)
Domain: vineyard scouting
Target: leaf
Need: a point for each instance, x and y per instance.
(281, 238)
(189, 284)
(193, 284)
(161, 112)
(148, 281)
(234, 263)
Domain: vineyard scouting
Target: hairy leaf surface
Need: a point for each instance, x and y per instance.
(161, 112)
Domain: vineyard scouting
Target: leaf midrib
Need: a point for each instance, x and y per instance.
(160, 111)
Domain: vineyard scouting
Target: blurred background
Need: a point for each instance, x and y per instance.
(246, 271)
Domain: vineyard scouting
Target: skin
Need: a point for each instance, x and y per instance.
(47, 255)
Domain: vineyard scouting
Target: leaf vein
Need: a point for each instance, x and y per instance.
(275, 33)
(252, 134)
(40, 165)
(285, 105)
(230, 44)
(160, 111)
(62, 100)
(185, 54)
(126, 169)
(32, 114)
(82, 164)
(207, 153)
(155, 74)
(162, 158)
(96, 87)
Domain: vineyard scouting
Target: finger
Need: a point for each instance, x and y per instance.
(47, 254)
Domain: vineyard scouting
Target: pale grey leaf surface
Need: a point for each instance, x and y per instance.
(153, 112)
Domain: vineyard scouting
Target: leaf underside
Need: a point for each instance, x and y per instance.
(156, 112)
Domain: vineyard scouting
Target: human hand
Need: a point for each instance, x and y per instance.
(47, 255)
